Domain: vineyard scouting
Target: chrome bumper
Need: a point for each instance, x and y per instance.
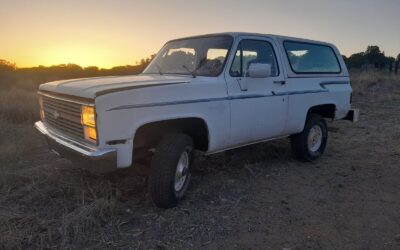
(78, 151)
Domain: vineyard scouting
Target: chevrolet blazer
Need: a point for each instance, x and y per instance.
(209, 93)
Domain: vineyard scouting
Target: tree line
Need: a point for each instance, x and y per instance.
(374, 58)
(11, 74)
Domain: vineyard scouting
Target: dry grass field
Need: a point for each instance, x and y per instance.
(250, 198)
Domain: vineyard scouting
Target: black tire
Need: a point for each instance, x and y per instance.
(164, 166)
(300, 142)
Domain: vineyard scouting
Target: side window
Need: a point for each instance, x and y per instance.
(253, 51)
(307, 58)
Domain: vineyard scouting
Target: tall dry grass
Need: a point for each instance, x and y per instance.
(18, 111)
(375, 85)
(44, 201)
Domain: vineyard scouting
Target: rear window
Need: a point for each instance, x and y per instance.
(307, 58)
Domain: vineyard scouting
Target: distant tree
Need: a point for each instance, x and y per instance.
(390, 63)
(375, 57)
(6, 66)
(372, 56)
(7, 73)
(356, 60)
(145, 61)
(396, 64)
(91, 70)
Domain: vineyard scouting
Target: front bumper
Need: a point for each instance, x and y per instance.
(93, 158)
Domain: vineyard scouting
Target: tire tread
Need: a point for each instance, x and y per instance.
(299, 141)
(163, 167)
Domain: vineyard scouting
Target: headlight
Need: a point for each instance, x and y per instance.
(88, 116)
(42, 116)
(88, 119)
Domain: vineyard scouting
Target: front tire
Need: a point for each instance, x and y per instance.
(170, 170)
(310, 144)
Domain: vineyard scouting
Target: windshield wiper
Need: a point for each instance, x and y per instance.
(193, 73)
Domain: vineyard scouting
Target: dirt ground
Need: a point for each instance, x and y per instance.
(257, 197)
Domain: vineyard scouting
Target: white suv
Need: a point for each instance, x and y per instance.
(210, 93)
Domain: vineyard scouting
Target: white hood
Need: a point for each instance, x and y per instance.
(92, 87)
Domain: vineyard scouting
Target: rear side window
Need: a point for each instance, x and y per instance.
(307, 58)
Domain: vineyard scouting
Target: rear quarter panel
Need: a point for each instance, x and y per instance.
(308, 90)
(324, 90)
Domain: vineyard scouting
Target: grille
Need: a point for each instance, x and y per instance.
(63, 115)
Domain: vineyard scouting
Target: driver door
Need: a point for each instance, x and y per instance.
(257, 113)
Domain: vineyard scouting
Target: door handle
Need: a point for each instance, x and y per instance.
(282, 82)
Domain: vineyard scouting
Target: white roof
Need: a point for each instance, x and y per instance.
(278, 37)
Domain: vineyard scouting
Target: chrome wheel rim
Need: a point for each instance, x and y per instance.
(314, 138)
(182, 171)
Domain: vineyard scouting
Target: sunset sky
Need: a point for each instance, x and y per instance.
(106, 33)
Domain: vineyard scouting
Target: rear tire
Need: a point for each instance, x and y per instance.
(170, 170)
(310, 144)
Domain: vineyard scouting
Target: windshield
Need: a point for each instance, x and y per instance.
(203, 56)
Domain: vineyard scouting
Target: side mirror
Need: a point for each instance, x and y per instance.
(259, 70)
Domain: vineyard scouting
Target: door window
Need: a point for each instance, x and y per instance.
(253, 51)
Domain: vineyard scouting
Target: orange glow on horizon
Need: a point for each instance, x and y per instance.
(83, 55)
(80, 54)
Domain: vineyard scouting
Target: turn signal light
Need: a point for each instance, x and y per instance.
(90, 134)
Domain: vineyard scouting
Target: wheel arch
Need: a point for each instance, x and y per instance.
(326, 110)
(151, 132)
